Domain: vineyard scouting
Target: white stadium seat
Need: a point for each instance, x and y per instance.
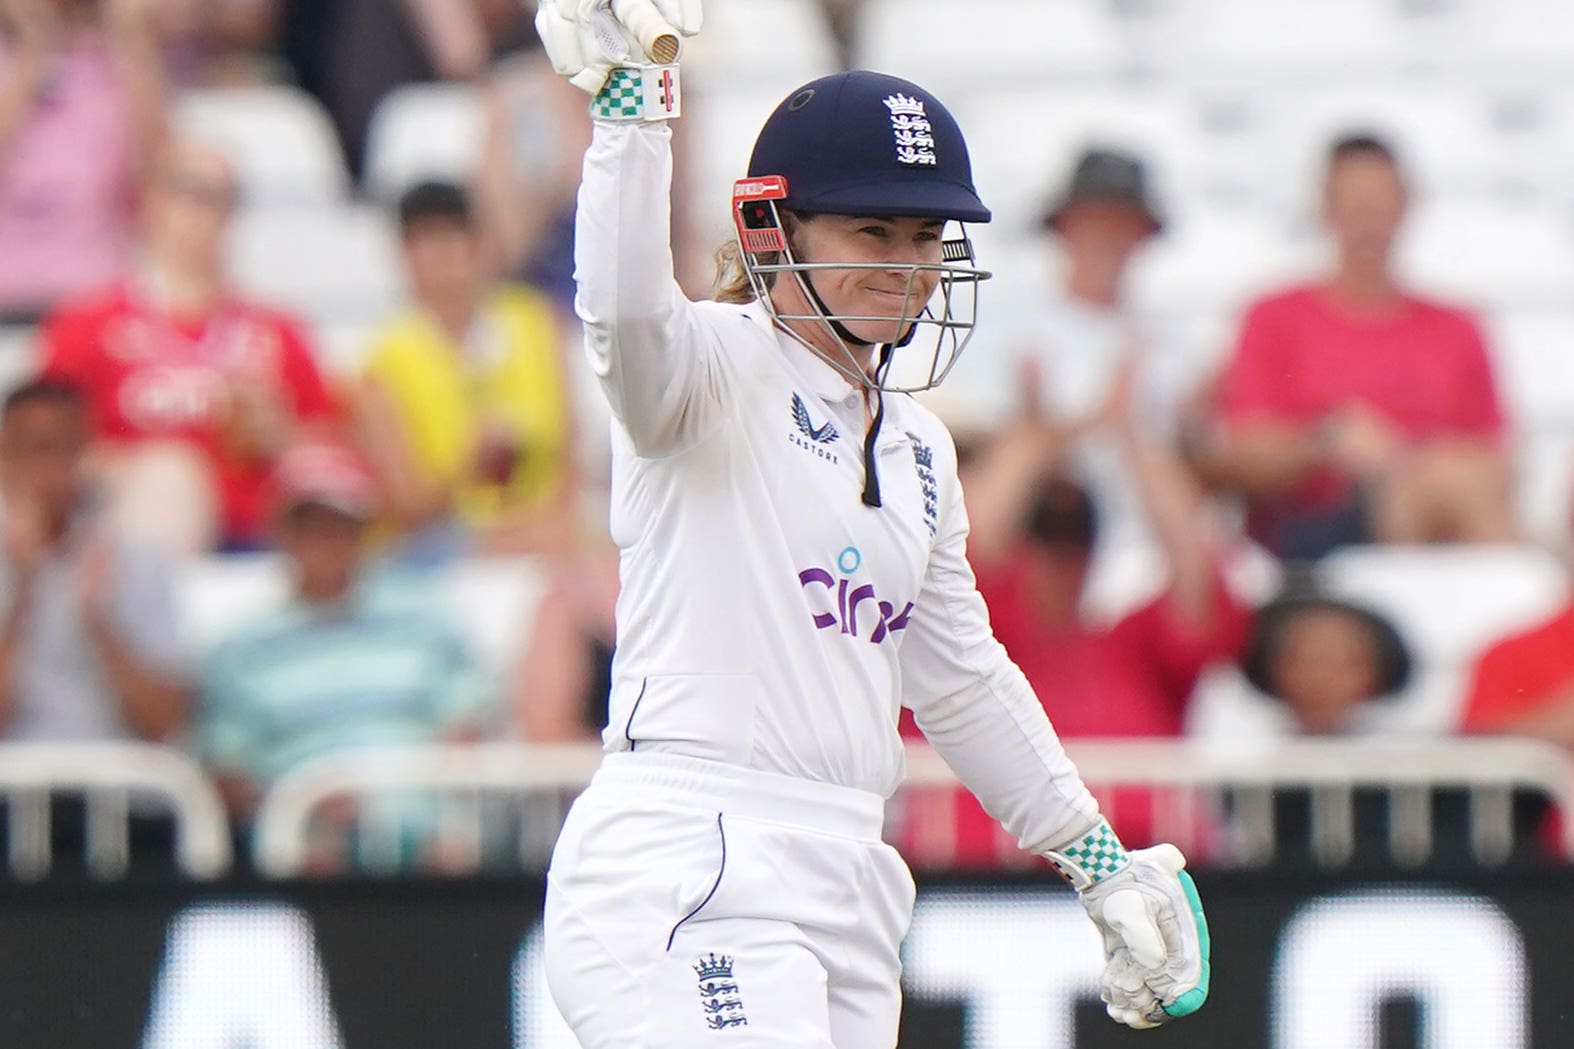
(1257, 41)
(951, 48)
(421, 132)
(1450, 603)
(1533, 355)
(279, 138)
(1490, 254)
(215, 596)
(335, 265)
(747, 43)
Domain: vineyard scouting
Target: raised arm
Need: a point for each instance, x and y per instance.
(656, 360)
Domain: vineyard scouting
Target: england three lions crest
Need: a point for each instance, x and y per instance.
(911, 131)
(720, 1002)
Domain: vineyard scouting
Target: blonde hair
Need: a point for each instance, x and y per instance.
(732, 282)
(732, 279)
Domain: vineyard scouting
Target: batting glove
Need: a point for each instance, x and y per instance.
(1155, 934)
(587, 39)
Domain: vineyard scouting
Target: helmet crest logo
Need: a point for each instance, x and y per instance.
(915, 140)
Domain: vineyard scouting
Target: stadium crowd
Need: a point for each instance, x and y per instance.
(1152, 519)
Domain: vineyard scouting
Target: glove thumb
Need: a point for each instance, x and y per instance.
(1126, 912)
(1165, 855)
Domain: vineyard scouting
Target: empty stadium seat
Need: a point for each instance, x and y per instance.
(1256, 42)
(424, 131)
(334, 265)
(1491, 255)
(1533, 355)
(951, 49)
(1450, 603)
(18, 355)
(784, 41)
(279, 138)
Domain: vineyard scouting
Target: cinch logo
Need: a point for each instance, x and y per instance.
(849, 600)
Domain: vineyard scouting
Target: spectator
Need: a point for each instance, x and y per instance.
(355, 658)
(1031, 545)
(1354, 410)
(467, 422)
(537, 131)
(212, 41)
(81, 116)
(88, 647)
(1523, 685)
(351, 53)
(1065, 348)
(174, 355)
(1324, 660)
(465, 403)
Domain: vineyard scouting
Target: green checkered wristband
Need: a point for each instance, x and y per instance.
(1090, 858)
(639, 94)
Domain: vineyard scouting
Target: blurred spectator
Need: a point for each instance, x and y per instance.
(467, 421)
(1033, 533)
(1324, 660)
(1524, 684)
(1063, 349)
(356, 658)
(173, 354)
(88, 647)
(351, 53)
(219, 41)
(466, 403)
(537, 131)
(844, 20)
(1355, 411)
(81, 114)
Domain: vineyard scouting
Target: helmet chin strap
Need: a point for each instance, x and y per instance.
(871, 496)
(871, 492)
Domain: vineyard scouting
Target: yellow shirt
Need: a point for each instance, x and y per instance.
(488, 418)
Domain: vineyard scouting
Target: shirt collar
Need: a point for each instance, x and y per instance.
(830, 385)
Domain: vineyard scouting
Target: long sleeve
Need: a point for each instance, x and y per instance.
(978, 709)
(654, 359)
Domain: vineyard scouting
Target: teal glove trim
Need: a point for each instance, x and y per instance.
(1192, 1000)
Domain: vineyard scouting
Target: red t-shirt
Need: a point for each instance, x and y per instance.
(148, 376)
(1132, 679)
(1522, 673)
(1423, 365)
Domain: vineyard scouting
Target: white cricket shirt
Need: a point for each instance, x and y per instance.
(768, 618)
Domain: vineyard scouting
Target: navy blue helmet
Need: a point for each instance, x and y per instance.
(864, 143)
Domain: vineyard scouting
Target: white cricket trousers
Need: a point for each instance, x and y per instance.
(694, 904)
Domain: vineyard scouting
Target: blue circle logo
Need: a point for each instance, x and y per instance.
(849, 560)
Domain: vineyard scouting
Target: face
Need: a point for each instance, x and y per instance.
(42, 444)
(1104, 232)
(1364, 202)
(443, 257)
(325, 546)
(187, 209)
(1326, 663)
(887, 295)
(1054, 575)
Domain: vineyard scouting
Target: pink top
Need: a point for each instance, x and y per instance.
(65, 182)
(1424, 366)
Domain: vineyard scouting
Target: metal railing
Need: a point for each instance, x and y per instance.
(1488, 771)
(114, 780)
